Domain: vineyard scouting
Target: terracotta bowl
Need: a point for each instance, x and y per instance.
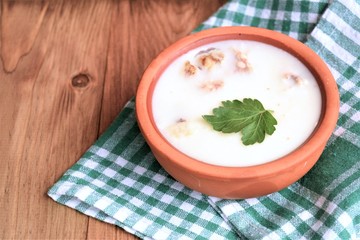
(238, 182)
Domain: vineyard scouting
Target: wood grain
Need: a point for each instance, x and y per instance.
(66, 70)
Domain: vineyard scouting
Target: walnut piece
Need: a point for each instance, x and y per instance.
(180, 129)
(189, 69)
(209, 58)
(242, 63)
(293, 79)
(210, 86)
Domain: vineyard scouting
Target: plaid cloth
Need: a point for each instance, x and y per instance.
(118, 180)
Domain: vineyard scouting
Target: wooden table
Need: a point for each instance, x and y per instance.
(66, 70)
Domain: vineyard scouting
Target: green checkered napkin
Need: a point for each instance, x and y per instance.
(119, 181)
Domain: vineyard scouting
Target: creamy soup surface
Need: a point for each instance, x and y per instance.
(199, 80)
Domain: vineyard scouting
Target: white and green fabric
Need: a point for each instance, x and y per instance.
(119, 181)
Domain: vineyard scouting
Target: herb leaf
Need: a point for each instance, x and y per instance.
(248, 117)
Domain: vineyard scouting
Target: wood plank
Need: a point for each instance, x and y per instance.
(50, 119)
(145, 28)
(27, 18)
(66, 70)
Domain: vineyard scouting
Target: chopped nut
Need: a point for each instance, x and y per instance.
(242, 63)
(294, 79)
(206, 61)
(189, 68)
(217, 56)
(180, 129)
(240, 55)
(209, 58)
(210, 86)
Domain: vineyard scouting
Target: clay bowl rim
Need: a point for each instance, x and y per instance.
(318, 139)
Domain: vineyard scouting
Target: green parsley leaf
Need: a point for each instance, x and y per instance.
(248, 117)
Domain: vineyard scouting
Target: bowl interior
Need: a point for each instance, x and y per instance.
(319, 137)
